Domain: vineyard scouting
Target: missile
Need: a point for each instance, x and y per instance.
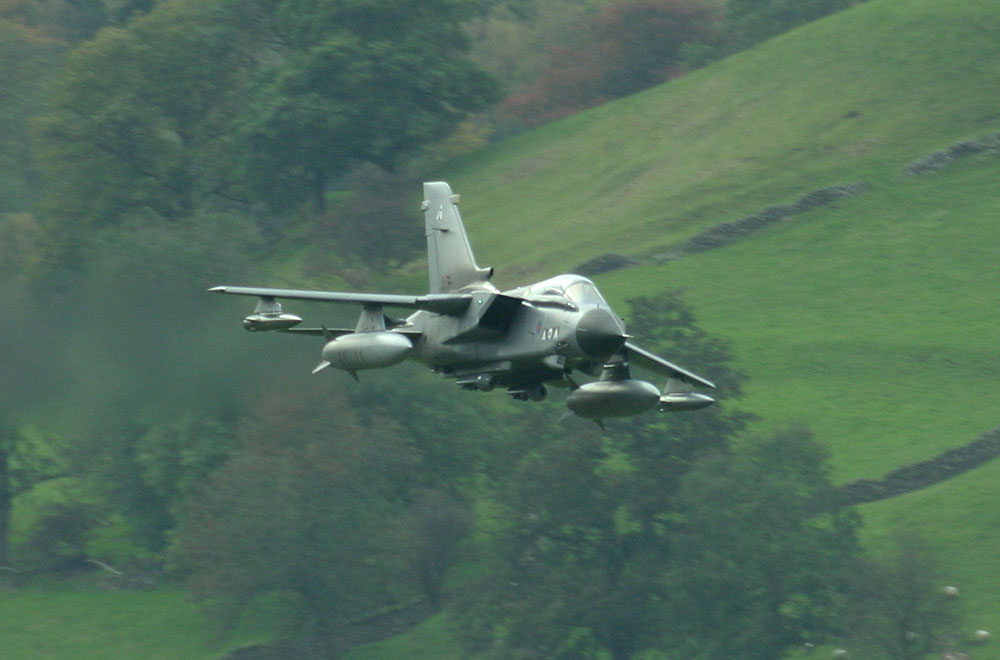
(366, 350)
(267, 321)
(612, 398)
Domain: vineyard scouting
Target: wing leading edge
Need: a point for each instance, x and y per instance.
(437, 303)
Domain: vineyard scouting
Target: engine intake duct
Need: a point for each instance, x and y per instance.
(489, 316)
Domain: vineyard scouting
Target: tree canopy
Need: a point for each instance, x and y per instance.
(224, 104)
(763, 551)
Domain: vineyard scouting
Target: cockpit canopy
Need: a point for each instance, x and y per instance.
(576, 288)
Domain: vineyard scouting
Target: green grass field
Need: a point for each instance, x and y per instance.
(78, 619)
(871, 320)
(431, 640)
(47, 623)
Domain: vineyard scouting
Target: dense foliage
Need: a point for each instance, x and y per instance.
(627, 47)
(300, 510)
(763, 551)
(228, 105)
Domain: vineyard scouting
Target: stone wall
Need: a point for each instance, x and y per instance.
(735, 230)
(925, 473)
(728, 232)
(935, 161)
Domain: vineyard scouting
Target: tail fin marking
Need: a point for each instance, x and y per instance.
(451, 265)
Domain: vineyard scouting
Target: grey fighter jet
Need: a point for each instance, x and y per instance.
(465, 328)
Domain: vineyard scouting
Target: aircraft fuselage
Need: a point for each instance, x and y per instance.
(562, 324)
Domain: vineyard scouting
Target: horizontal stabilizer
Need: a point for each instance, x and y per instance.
(438, 303)
(643, 358)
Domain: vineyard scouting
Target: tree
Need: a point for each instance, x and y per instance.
(628, 46)
(752, 21)
(58, 538)
(761, 551)
(25, 462)
(31, 379)
(369, 225)
(177, 458)
(72, 20)
(430, 531)
(643, 41)
(299, 511)
(667, 446)
(898, 607)
(359, 81)
(27, 60)
(582, 563)
(562, 561)
(139, 120)
(152, 378)
(209, 105)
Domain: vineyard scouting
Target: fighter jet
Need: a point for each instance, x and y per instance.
(464, 328)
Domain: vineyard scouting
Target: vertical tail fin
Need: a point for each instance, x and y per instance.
(450, 262)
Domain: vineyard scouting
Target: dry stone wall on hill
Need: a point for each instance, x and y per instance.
(939, 159)
(925, 473)
(730, 232)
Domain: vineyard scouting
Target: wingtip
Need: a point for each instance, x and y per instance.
(217, 289)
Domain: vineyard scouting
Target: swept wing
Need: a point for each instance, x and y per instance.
(438, 303)
(656, 364)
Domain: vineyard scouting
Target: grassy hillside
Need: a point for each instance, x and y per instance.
(84, 624)
(871, 320)
(846, 98)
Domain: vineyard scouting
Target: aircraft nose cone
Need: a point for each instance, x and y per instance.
(599, 334)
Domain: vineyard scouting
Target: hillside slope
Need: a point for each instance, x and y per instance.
(848, 97)
(872, 319)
